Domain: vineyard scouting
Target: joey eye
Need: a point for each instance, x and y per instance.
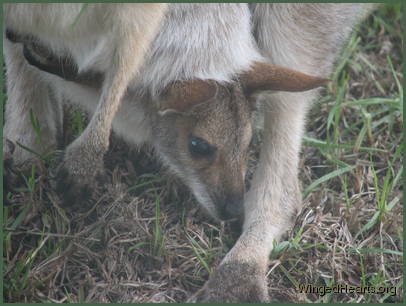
(200, 148)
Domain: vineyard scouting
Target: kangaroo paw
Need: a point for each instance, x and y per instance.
(78, 176)
(234, 282)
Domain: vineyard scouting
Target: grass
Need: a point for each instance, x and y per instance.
(145, 239)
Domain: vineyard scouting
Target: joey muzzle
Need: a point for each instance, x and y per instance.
(231, 207)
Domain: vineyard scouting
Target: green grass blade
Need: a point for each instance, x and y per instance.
(322, 144)
(369, 224)
(82, 10)
(195, 245)
(375, 250)
(325, 178)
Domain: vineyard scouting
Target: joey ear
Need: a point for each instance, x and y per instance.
(264, 76)
(182, 96)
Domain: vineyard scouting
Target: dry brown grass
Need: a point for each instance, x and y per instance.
(152, 244)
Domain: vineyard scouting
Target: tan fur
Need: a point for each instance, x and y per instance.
(131, 43)
(281, 78)
(130, 38)
(300, 37)
(183, 95)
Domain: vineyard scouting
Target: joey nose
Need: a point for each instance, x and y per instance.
(231, 208)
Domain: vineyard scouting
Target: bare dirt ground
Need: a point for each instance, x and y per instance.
(144, 238)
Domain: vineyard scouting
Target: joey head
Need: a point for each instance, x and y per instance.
(202, 129)
(204, 137)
